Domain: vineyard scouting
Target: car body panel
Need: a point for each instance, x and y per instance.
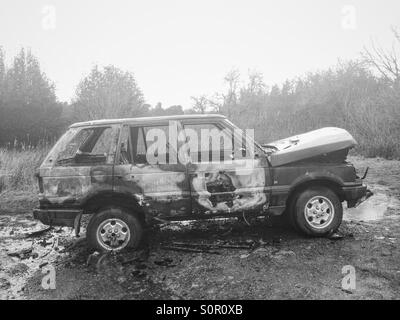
(229, 188)
(69, 185)
(311, 144)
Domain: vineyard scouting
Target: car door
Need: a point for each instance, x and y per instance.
(222, 182)
(161, 188)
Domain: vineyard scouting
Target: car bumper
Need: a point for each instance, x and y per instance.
(355, 195)
(57, 217)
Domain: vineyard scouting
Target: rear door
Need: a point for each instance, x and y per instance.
(161, 187)
(224, 177)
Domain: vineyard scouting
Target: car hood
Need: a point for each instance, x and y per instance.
(312, 144)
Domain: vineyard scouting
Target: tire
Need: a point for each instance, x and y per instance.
(114, 229)
(317, 212)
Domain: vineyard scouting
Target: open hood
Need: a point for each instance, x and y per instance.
(318, 143)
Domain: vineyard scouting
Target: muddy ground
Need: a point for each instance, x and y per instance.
(265, 260)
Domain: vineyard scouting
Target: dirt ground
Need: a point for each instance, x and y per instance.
(265, 260)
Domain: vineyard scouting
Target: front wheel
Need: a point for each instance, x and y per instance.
(317, 211)
(113, 229)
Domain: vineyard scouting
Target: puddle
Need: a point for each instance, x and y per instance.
(375, 208)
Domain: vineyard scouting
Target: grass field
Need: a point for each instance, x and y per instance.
(18, 185)
(18, 168)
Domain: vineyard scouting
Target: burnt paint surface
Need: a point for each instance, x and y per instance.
(168, 191)
(65, 187)
(162, 190)
(69, 184)
(219, 187)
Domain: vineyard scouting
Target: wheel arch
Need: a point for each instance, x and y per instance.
(106, 199)
(327, 182)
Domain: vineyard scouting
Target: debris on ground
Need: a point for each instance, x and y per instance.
(4, 284)
(336, 236)
(210, 245)
(166, 262)
(18, 269)
(187, 249)
(21, 254)
(39, 232)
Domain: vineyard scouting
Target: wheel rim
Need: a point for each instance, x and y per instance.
(113, 234)
(319, 212)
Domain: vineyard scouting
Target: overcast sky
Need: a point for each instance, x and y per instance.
(178, 49)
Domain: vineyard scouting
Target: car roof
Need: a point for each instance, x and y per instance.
(146, 120)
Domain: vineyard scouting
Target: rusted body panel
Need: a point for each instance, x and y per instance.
(162, 191)
(72, 186)
(173, 190)
(229, 188)
(69, 184)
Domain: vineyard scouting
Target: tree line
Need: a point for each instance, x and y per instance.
(361, 96)
(31, 114)
(28, 104)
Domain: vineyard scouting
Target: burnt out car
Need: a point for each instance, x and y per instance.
(129, 173)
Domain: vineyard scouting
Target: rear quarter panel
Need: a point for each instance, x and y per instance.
(72, 186)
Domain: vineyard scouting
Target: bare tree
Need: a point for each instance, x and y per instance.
(256, 83)
(216, 102)
(200, 104)
(385, 61)
(232, 80)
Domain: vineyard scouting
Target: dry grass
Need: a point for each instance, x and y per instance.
(18, 167)
(376, 131)
(18, 185)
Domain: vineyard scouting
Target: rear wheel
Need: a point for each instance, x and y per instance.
(317, 211)
(114, 229)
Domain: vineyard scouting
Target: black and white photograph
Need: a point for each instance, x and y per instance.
(213, 152)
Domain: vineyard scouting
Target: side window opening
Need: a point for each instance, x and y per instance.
(71, 148)
(218, 150)
(90, 145)
(140, 144)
